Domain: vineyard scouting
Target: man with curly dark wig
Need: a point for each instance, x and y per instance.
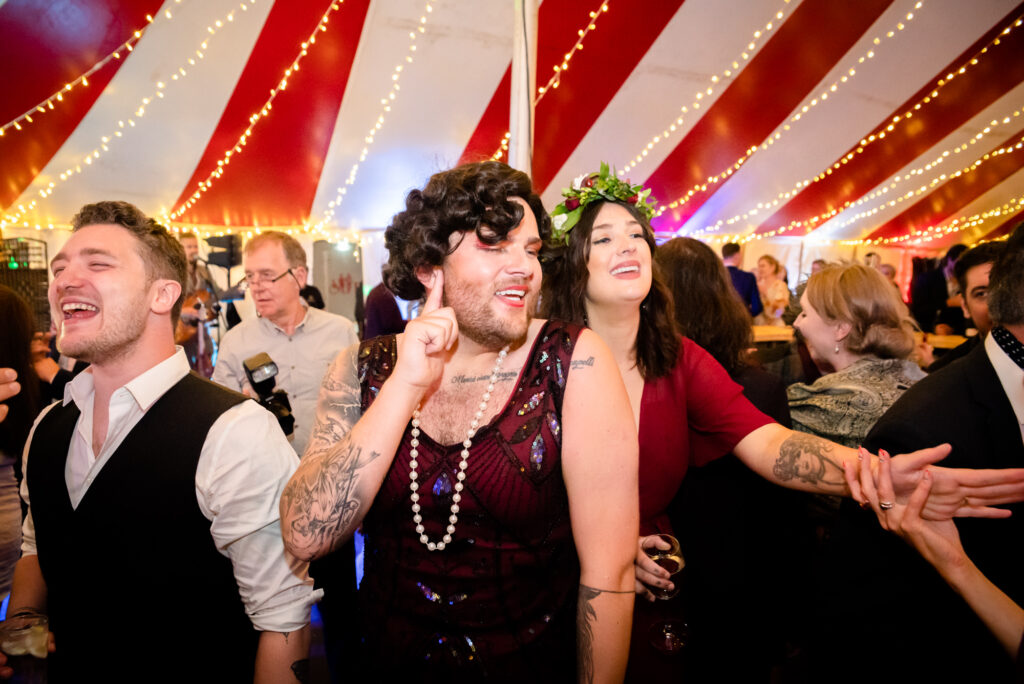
(488, 456)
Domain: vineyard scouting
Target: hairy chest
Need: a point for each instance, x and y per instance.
(448, 413)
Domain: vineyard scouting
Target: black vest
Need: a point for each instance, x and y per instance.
(137, 590)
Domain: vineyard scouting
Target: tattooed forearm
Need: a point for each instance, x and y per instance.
(300, 668)
(809, 459)
(321, 502)
(586, 616)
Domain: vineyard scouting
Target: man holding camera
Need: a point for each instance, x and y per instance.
(300, 340)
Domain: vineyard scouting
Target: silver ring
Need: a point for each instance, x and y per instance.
(885, 505)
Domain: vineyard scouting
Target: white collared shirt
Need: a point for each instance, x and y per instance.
(243, 467)
(1011, 377)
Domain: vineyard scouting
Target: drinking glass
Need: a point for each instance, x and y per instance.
(668, 636)
(24, 637)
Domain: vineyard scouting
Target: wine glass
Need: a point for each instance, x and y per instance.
(668, 636)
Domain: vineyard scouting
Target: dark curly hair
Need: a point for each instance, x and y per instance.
(471, 197)
(163, 256)
(564, 291)
(707, 308)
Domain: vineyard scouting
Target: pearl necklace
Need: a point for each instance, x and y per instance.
(463, 464)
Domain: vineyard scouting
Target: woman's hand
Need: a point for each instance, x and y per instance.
(649, 573)
(954, 492)
(936, 540)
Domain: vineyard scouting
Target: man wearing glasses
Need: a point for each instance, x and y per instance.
(302, 341)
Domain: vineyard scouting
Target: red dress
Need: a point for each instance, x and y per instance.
(691, 417)
(499, 602)
(688, 418)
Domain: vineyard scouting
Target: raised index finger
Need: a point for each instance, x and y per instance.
(433, 302)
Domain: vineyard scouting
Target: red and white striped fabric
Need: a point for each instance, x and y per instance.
(810, 86)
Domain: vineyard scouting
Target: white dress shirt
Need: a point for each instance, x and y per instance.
(1011, 377)
(243, 467)
(302, 360)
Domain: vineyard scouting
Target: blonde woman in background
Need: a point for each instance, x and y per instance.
(773, 289)
(860, 335)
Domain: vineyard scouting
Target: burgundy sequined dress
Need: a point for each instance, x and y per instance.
(499, 601)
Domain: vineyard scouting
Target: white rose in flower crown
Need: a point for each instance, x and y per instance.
(559, 221)
(577, 182)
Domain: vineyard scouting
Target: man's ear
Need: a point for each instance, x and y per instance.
(164, 294)
(425, 274)
(301, 275)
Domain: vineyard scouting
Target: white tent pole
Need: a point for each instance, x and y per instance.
(524, 85)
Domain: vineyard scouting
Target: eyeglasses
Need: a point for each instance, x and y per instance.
(260, 279)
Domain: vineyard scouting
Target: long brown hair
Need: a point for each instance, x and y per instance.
(707, 308)
(564, 294)
(16, 352)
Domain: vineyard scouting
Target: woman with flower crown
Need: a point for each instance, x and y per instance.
(599, 271)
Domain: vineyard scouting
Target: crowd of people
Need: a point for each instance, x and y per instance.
(572, 399)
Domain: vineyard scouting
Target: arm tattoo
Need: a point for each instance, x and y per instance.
(323, 503)
(585, 617)
(321, 500)
(581, 363)
(808, 458)
(300, 668)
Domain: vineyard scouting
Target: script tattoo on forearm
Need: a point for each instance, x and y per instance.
(808, 458)
(585, 618)
(582, 363)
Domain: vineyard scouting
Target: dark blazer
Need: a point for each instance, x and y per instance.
(745, 285)
(894, 595)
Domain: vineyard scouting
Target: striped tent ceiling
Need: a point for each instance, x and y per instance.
(898, 121)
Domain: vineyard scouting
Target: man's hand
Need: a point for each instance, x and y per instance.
(8, 388)
(421, 350)
(954, 493)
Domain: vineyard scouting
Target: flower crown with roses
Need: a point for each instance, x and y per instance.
(602, 186)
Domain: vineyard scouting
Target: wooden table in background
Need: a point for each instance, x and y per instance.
(772, 333)
(943, 341)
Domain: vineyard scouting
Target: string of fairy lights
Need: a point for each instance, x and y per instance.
(884, 191)
(558, 70)
(887, 193)
(55, 100)
(879, 134)
(942, 230)
(717, 81)
(847, 74)
(125, 124)
(254, 119)
(941, 159)
(386, 103)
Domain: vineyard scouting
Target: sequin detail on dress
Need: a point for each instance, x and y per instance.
(537, 453)
(555, 426)
(533, 403)
(442, 485)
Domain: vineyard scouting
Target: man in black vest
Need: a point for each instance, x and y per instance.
(152, 539)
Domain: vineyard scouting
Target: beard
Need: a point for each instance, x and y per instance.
(477, 319)
(121, 328)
